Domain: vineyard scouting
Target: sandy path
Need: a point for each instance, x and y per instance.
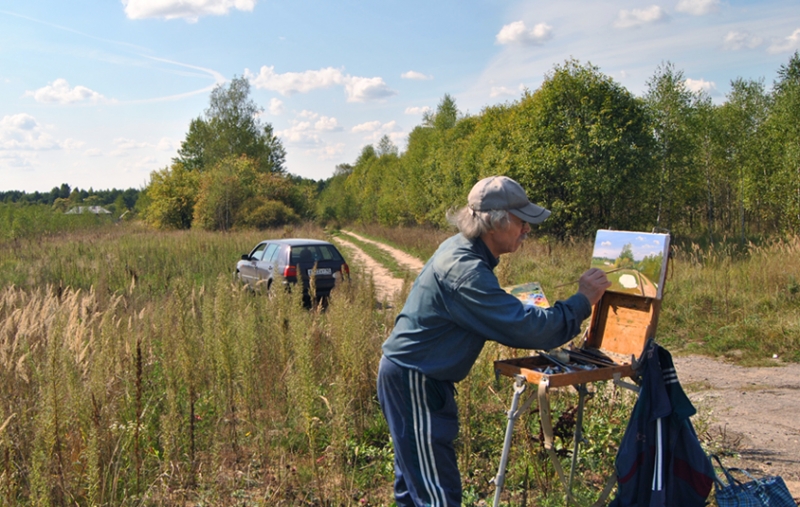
(407, 261)
(386, 285)
(755, 411)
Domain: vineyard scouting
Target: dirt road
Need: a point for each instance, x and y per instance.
(753, 413)
(386, 285)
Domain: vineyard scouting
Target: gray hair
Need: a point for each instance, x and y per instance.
(473, 224)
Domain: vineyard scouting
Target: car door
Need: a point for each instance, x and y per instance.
(247, 267)
(265, 267)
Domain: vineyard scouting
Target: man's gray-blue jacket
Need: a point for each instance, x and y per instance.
(456, 304)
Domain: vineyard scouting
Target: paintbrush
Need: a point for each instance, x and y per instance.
(578, 280)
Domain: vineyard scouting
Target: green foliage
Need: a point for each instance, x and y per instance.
(625, 258)
(229, 169)
(783, 128)
(669, 102)
(231, 127)
(68, 198)
(222, 192)
(598, 157)
(22, 221)
(582, 148)
(260, 213)
(171, 196)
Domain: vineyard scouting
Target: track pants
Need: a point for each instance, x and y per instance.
(423, 421)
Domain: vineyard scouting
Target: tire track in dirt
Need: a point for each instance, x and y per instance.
(409, 262)
(386, 285)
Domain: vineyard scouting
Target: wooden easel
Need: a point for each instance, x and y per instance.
(620, 327)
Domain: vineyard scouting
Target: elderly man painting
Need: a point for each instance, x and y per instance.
(454, 307)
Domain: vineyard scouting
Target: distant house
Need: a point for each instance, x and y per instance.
(97, 210)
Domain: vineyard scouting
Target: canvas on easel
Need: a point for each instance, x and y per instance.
(635, 262)
(624, 318)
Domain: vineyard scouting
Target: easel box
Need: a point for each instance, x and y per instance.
(619, 327)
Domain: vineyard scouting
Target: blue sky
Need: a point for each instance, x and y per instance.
(100, 94)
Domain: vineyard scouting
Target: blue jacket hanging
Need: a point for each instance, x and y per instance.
(660, 461)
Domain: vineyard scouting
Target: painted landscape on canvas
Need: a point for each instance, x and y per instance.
(634, 261)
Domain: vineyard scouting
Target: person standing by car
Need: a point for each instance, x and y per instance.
(455, 305)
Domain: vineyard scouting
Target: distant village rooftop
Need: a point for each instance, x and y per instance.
(97, 210)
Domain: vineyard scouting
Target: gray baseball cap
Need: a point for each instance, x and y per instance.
(503, 193)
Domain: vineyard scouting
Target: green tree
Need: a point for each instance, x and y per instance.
(670, 105)
(625, 257)
(783, 127)
(386, 147)
(235, 193)
(581, 147)
(171, 196)
(231, 126)
(707, 134)
(743, 116)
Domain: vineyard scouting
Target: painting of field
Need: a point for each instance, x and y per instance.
(634, 261)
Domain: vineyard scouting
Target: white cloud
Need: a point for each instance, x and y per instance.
(191, 10)
(167, 144)
(639, 17)
(22, 132)
(275, 107)
(72, 144)
(518, 33)
(605, 243)
(790, 43)
(301, 132)
(504, 91)
(700, 85)
(59, 92)
(125, 146)
(735, 41)
(412, 74)
(418, 110)
(370, 126)
(362, 89)
(328, 151)
(326, 123)
(92, 152)
(307, 127)
(358, 89)
(698, 7)
(375, 130)
(16, 159)
(290, 83)
(129, 144)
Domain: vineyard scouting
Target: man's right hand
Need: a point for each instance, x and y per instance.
(593, 284)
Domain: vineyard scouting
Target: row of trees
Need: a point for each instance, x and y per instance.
(598, 157)
(582, 145)
(64, 197)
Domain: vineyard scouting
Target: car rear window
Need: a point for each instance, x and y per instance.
(314, 253)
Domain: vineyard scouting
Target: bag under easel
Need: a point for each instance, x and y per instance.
(769, 491)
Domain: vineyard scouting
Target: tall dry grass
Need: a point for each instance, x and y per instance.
(742, 305)
(208, 393)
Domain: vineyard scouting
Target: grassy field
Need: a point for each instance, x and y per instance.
(135, 371)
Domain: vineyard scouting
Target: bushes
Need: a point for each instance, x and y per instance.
(263, 214)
